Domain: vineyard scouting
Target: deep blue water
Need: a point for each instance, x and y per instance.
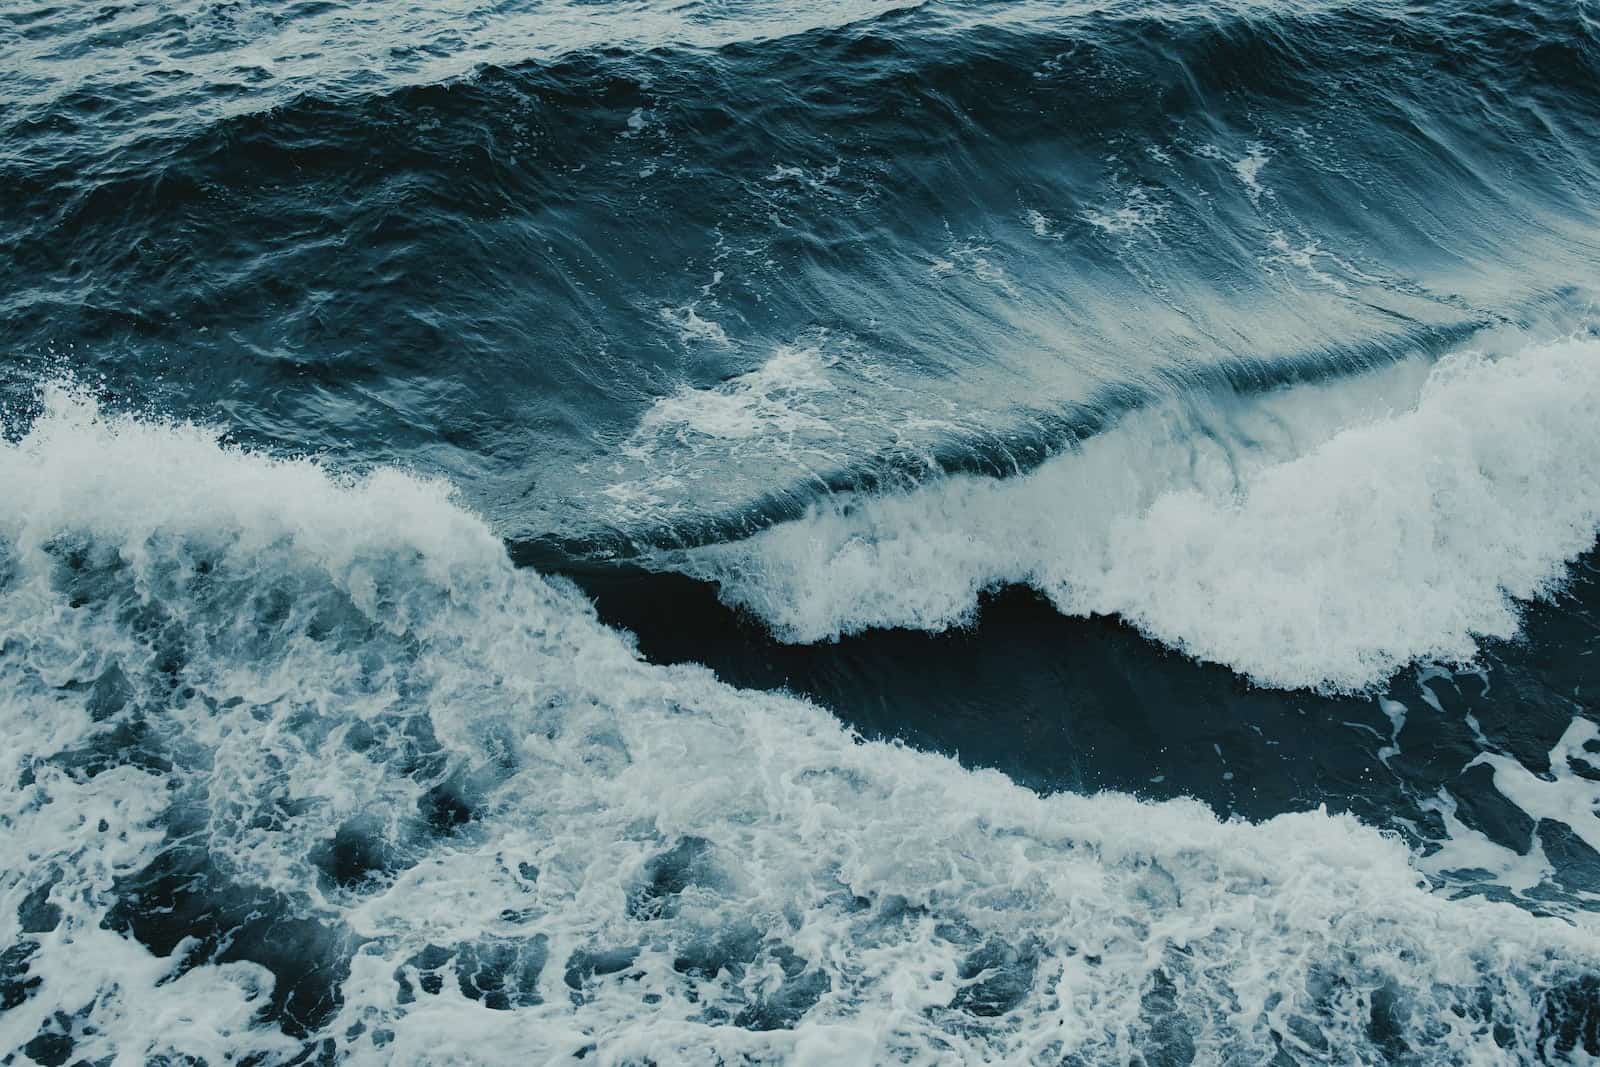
(817, 532)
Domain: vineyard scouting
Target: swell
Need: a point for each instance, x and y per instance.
(975, 204)
(1027, 439)
(943, 57)
(911, 88)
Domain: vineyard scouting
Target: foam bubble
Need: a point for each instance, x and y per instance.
(1569, 793)
(1319, 536)
(778, 398)
(1248, 169)
(692, 329)
(301, 764)
(791, 418)
(1137, 211)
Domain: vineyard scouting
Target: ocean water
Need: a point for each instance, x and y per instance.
(647, 532)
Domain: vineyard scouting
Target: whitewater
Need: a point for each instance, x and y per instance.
(425, 804)
(1320, 535)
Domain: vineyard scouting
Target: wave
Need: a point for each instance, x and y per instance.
(305, 767)
(216, 66)
(804, 420)
(222, 66)
(1316, 536)
(991, 213)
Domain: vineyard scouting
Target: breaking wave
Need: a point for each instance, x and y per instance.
(302, 766)
(1320, 535)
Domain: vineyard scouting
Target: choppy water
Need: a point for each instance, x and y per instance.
(821, 533)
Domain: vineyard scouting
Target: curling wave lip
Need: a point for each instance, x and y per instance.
(1311, 537)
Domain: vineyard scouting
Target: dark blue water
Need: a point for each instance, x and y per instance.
(816, 532)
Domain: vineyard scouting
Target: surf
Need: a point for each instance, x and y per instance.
(1319, 536)
(307, 764)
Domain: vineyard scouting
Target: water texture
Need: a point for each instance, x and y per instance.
(807, 532)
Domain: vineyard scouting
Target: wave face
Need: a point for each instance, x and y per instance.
(1317, 536)
(305, 767)
(637, 274)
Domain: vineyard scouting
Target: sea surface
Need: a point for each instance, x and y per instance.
(799, 531)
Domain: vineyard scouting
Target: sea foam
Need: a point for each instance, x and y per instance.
(1317, 536)
(302, 765)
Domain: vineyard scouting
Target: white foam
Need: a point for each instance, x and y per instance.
(1470, 854)
(816, 179)
(778, 398)
(1318, 536)
(692, 329)
(973, 257)
(1137, 211)
(1305, 258)
(1563, 795)
(708, 450)
(1248, 168)
(290, 641)
(638, 120)
(1039, 223)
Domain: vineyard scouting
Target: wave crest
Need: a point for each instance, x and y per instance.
(1307, 538)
